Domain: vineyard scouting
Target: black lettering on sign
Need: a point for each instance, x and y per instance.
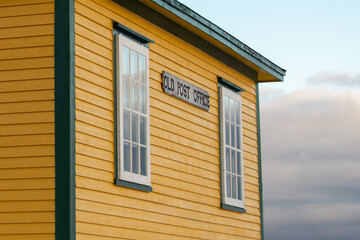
(185, 91)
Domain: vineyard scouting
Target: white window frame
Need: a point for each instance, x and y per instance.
(122, 40)
(223, 91)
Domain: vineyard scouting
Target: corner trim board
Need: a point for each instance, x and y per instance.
(64, 120)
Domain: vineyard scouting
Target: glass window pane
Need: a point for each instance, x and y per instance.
(228, 185)
(142, 69)
(238, 137)
(142, 98)
(125, 61)
(134, 95)
(126, 156)
(233, 162)
(143, 162)
(133, 65)
(228, 159)
(232, 112)
(126, 93)
(238, 162)
(126, 125)
(233, 186)
(233, 135)
(135, 158)
(134, 128)
(226, 104)
(227, 133)
(237, 107)
(143, 132)
(239, 188)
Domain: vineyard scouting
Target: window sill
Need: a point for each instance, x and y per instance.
(232, 208)
(132, 185)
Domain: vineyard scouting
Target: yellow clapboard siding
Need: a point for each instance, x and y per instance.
(83, 75)
(93, 35)
(27, 96)
(27, 20)
(95, 131)
(26, 31)
(93, 68)
(36, 41)
(25, 129)
(93, 26)
(24, 107)
(27, 85)
(94, 120)
(27, 151)
(185, 141)
(83, 9)
(95, 89)
(26, 228)
(24, 184)
(29, 237)
(27, 162)
(6, 3)
(27, 206)
(94, 163)
(41, 62)
(27, 217)
(93, 110)
(215, 225)
(94, 141)
(27, 195)
(19, 118)
(92, 46)
(27, 140)
(32, 52)
(27, 173)
(93, 57)
(94, 152)
(26, 74)
(26, 9)
(94, 99)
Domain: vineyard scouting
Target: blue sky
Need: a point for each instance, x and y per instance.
(310, 123)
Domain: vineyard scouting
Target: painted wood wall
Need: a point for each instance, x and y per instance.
(27, 120)
(185, 202)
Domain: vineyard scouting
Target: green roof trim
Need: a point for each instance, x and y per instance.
(204, 25)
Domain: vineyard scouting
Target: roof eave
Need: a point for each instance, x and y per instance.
(267, 70)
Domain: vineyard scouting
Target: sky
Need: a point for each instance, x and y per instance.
(310, 123)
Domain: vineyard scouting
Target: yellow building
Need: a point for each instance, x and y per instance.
(127, 119)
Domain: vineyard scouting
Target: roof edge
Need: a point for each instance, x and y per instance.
(206, 26)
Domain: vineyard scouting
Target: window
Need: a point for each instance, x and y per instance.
(132, 112)
(231, 149)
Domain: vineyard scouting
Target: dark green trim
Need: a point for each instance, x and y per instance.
(131, 34)
(115, 92)
(259, 160)
(64, 121)
(225, 83)
(132, 185)
(232, 208)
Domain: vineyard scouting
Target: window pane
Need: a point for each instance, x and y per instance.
(226, 103)
(239, 188)
(135, 158)
(227, 133)
(238, 137)
(143, 132)
(126, 93)
(134, 95)
(143, 161)
(125, 61)
(233, 135)
(238, 163)
(232, 112)
(142, 69)
(228, 159)
(126, 125)
(228, 185)
(237, 107)
(133, 66)
(233, 162)
(233, 186)
(126, 156)
(134, 128)
(142, 98)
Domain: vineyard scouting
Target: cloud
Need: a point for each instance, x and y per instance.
(335, 79)
(311, 164)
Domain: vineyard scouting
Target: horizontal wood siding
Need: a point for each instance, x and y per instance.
(27, 173)
(185, 202)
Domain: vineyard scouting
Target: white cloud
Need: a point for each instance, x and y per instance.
(311, 163)
(336, 79)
